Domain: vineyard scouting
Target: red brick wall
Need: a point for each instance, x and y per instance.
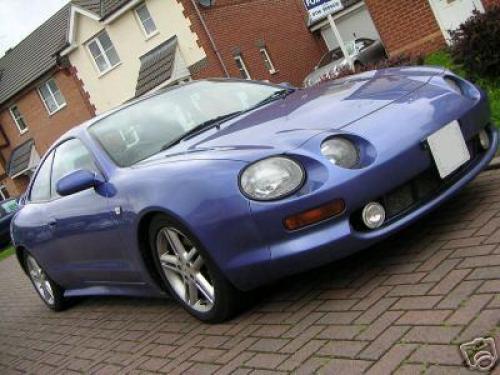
(490, 3)
(44, 128)
(241, 24)
(406, 26)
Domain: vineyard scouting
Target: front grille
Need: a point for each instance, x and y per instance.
(418, 190)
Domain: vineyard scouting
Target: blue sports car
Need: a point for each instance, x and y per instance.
(215, 187)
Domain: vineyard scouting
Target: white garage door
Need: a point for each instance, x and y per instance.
(355, 24)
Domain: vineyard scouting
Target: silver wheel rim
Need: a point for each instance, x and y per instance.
(185, 269)
(40, 280)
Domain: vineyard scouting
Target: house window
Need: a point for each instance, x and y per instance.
(18, 119)
(267, 60)
(242, 67)
(4, 194)
(51, 96)
(145, 19)
(103, 52)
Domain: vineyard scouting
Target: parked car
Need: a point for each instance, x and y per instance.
(8, 208)
(216, 187)
(363, 51)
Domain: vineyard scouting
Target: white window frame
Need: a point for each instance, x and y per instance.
(239, 58)
(103, 53)
(141, 24)
(16, 119)
(263, 51)
(59, 106)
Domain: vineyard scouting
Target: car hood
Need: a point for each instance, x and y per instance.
(288, 123)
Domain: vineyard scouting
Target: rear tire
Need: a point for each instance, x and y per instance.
(189, 274)
(49, 291)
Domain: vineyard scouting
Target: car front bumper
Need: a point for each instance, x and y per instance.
(337, 238)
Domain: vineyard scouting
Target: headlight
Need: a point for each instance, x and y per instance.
(341, 152)
(272, 178)
(453, 85)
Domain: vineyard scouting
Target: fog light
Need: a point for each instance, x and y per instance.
(484, 139)
(373, 215)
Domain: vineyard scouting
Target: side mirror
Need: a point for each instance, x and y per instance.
(77, 181)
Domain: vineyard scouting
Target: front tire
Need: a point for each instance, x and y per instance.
(188, 272)
(50, 293)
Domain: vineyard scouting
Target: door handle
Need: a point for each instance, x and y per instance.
(52, 223)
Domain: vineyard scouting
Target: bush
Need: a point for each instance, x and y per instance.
(476, 44)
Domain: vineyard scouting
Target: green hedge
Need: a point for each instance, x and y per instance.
(491, 86)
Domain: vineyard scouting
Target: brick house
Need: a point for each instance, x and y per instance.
(257, 39)
(40, 98)
(404, 26)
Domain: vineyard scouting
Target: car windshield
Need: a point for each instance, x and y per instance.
(143, 129)
(331, 57)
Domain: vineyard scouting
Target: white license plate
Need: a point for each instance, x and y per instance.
(448, 149)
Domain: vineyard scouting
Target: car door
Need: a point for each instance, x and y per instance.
(86, 242)
(32, 223)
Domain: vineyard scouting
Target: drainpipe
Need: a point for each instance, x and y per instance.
(212, 41)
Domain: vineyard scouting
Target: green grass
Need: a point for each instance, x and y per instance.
(491, 86)
(6, 253)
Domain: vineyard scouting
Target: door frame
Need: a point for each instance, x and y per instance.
(439, 20)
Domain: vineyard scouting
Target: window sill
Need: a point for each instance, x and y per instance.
(58, 109)
(22, 132)
(102, 74)
(152, 35)
(273, 72)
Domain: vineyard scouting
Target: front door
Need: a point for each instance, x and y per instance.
(86, 242)
(451, 14)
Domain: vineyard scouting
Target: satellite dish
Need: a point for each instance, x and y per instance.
(207, 3)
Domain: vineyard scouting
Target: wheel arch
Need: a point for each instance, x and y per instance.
(143, 243)
(20, 255)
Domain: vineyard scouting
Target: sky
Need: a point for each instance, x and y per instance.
(18, 18)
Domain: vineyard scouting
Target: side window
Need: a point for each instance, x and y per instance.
(40, 190)
(69, 157)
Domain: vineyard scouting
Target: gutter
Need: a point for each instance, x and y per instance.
(210, 37)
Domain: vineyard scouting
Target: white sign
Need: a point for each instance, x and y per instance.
(319, 9)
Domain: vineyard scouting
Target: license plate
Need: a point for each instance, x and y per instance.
(448, 149)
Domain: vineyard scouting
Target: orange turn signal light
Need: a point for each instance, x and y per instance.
(315, 215)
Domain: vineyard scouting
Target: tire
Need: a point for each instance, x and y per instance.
(49, 291)
(358, 67)
(189, 274)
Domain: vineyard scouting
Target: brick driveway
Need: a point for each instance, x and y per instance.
(401, 306)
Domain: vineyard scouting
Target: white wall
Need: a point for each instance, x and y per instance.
(118, 85)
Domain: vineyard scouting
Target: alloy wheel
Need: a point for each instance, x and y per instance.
(185, 269)
(40, 280)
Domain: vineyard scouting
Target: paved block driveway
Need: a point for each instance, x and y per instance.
(401, 306)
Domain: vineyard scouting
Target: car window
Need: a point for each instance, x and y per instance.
(40, 190)
(70, 156)
(325, 60)
(150, 126)
(361, 44)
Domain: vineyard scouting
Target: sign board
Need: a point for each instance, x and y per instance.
(319, 9)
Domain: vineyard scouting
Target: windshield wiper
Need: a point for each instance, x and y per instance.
(212, 123)
(275, 96)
